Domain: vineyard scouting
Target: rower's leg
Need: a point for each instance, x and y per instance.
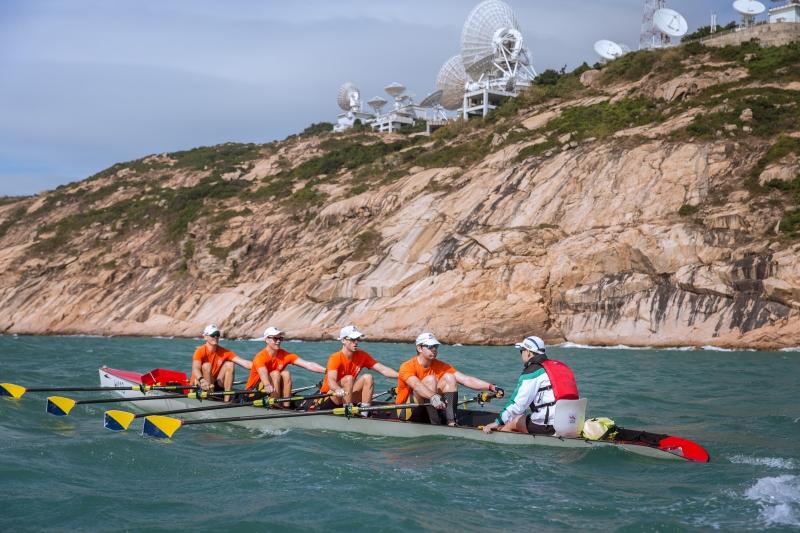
(449, 390)
(518, 425)
(347, 384)
(433, 413)
(275, 378)
(226, 374)
(206, 370)
(286, 391)
(362, 390)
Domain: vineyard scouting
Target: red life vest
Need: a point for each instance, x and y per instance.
(562, 381)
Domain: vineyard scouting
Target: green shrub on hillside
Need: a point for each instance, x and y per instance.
(187, 202)
(630, 67)
(315, 130)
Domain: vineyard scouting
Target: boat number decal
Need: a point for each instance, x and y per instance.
(573, 418)
(118, 383)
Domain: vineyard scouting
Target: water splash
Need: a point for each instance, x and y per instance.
(772, 462)
(779, 498)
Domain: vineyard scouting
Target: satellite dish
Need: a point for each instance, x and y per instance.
(607, 49)
(395, 90)
(749, 8)
(349, 96)
(490, 25)
(452, 80)
(670, 22)
(480, 66)
(432, 99)
(377, 103)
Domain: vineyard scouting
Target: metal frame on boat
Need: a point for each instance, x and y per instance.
(671, 448)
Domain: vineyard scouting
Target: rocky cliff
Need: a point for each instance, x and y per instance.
(651, 203)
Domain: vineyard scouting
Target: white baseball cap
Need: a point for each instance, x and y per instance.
(534, 344)
(211, 328)
(272, 331)
(350, 331)
(427, 338)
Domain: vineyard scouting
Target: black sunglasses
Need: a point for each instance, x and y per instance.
(215, 334)
(276, 339)
(353, 339)
(430, 346)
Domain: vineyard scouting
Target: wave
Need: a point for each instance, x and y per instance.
(779, 498)
(772, 462)
(588, 347)
(795, 349)
(716, 349)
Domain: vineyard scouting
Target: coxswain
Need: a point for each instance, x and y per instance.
(342, 373)
(425, 379)
(268, 371)
(542, 383)
(212, 365)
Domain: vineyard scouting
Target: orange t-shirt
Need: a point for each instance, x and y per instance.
(216, 359)
(413, 368)
(346, 367)
(263, 360)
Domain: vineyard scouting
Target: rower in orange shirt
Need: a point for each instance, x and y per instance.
(426, 379)
(212, 365)
(343, 369)
(268, 368)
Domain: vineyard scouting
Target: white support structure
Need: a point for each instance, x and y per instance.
(787, 13)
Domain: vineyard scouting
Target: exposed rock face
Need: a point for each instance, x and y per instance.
(583, 245)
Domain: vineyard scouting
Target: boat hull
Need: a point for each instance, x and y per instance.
(382, 427)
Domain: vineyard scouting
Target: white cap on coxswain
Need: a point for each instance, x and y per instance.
(428, 339)
(350, 331)
(210, 329)
(272, 331)
(534, 344)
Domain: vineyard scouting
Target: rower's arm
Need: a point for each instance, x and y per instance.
(332, 383)
(385, 370)
(419, 388)
(471, 382)
(264, 375)
(244, 363)
(197, 369)
(310, 366)
(523, 396)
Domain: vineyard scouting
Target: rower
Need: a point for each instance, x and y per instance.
(424, 378)
(543, 382)
(268, 371)
(343, 369)
(212, 365)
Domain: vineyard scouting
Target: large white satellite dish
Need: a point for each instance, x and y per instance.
(484, 30)
(480, 66)
(377, 103)
(670, 22)
(749, 8)
(452, 80)
(349, 97)
(432, 99)
(608, 49)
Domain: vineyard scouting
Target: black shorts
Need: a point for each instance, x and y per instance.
(413, 414)
(538, 429)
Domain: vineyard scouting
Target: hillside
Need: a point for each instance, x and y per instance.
(655, 202)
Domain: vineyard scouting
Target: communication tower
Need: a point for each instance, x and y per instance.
(651, 36)
(349, 100)
(749, 9)
(660, 26)
(404, 112)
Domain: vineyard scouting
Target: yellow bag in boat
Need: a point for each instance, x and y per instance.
(597, 428)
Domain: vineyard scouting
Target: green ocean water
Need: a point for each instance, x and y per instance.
(70, 474)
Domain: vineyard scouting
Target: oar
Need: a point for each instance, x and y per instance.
(120, 420)
(60, 406)
(15, 391)
(163, 427)
(390, 392)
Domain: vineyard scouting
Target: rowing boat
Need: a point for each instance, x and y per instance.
(387, 425)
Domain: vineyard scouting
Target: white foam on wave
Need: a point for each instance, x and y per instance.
(772, 462)
(779, 498)
(716, 349)
(588, 347)
(294, 340)
(794, 349)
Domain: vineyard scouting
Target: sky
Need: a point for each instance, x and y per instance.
(85, 84)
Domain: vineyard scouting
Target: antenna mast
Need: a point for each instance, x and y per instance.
(651, 36)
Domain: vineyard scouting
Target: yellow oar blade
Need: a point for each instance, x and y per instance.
(160, 427)
(9, 389)
(56, 405)
(117, 420)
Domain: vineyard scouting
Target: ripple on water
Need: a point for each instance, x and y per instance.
(772, 462)
(779, 499)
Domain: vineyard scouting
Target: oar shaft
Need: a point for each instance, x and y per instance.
(170, 397)
(258, 403)
(97, 389)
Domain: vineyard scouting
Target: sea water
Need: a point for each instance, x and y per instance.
(71, 474)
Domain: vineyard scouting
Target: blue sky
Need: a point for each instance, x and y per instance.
(85, 84)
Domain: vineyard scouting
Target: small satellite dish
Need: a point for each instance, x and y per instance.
(348, 97)
(377, 103)
(749, 8)
(395, 90)
(670, 22)
(432, 99)
(607, 49)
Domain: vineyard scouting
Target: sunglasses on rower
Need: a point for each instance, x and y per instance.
(430, 346)
(351, 339)
(215, 334)
(276, 339)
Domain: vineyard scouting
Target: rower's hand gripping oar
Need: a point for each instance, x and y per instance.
(16, 391)
(120, 420)
(163, 427)
(60, 406)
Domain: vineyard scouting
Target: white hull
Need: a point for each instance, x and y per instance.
(365, 426)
